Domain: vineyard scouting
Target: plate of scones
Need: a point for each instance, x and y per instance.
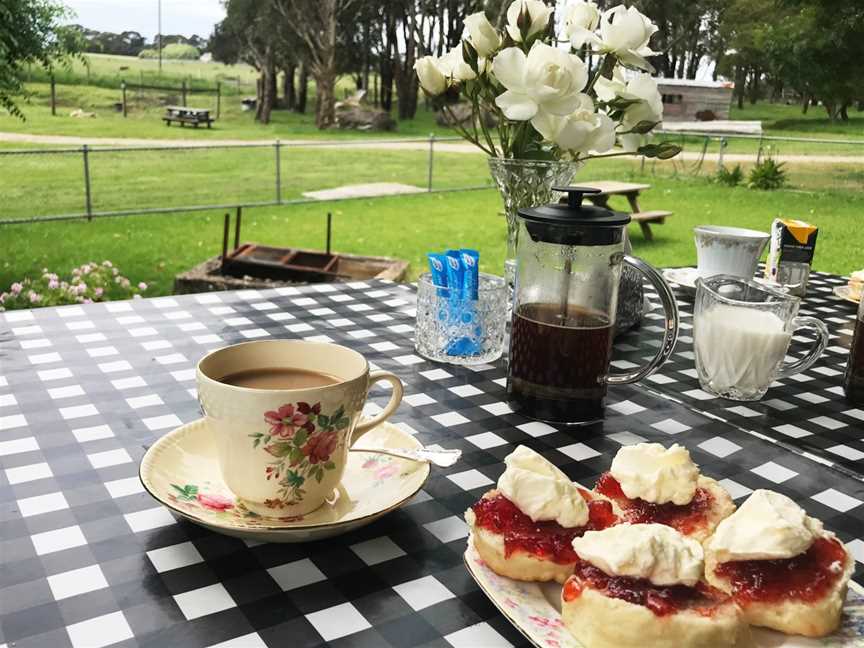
(657, 554)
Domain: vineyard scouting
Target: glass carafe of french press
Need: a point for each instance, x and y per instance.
(568, 267)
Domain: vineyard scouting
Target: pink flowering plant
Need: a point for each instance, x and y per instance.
(91, 282)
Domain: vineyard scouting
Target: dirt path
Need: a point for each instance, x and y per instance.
(444, 147)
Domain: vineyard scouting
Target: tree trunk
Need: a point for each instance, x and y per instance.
(324, 68)
(753, 93)
(302, 88)
(288, 89)
(268, 87)
(259, 95)
(325, 100)
(844, 112)
(806, 105)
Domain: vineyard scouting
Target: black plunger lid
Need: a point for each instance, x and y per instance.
(569, 222)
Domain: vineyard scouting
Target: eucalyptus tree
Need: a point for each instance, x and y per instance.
(31, 33)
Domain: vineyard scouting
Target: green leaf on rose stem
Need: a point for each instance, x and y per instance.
(648, 150)
(668, 151)
(330, 465)
(338, 413)
(643, 127)
(300, 437)
(319, 476)
(323, 420)
(341, 424)
(296, 456)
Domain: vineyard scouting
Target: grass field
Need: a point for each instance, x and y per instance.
(154, 248)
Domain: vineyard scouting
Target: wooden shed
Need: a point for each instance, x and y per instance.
(689, 100)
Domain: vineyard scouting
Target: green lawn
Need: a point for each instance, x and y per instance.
(154, 248)
(145, 118)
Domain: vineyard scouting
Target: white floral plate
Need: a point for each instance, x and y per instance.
(182, 472)
(843, 292)
(535, 610)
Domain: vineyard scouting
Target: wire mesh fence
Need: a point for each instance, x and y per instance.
(39, 184)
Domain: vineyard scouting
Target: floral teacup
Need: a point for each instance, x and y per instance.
(283, 451)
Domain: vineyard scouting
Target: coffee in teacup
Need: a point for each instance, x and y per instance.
(284, 414)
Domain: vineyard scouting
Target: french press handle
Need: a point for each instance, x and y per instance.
(671, 324)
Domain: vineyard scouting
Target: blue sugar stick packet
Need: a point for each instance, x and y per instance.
(471, 277)
(438, 270)
(463, 311)
(455, 274)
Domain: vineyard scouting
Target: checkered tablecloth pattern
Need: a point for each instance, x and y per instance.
(806, 412)
(88, 559)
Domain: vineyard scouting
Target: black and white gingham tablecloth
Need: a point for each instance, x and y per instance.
(88, 559)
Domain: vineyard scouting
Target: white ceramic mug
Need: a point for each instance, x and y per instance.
(283, 451)
(731, 251)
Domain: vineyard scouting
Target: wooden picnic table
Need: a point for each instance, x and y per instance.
(631, 191)
(186, 115)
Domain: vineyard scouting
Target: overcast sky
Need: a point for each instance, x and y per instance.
(185, 17)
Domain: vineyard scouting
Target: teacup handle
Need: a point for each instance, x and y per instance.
(363, 427)
(789, 368)
(670, 325)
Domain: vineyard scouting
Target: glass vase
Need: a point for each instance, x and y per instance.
(526, 183)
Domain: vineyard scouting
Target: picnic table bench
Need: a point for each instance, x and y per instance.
(630, 191)
(184, 115)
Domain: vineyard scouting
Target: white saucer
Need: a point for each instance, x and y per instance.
(182, 472)
(685, 279)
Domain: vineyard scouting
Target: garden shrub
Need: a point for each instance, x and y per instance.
(91, 282)
(729, 177)
(767, 175)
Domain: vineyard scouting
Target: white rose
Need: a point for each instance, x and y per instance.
(641, 89)
(431, 78)
(650, 104)
(581, 131)
(481, 34)
(625, 32)
(547, 80)
(453, 66)
(537, 11)
(580, 22)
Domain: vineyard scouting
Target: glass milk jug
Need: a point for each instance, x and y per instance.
(569, 258)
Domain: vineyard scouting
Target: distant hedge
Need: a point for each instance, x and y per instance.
(173, 51)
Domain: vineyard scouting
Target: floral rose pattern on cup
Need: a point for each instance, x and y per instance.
(212, 501)
(301, 439)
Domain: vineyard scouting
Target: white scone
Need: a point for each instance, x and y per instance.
(519, 565)
(600, 621)
(809, 618)
(780, 565)
(721, 507)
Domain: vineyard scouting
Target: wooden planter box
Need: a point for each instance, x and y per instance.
(206, 277)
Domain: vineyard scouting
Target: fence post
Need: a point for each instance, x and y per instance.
(722, 150)
(218, 98)
(85, 151)
(183, 93)
(123, 88)
(53, 97)
(431, 160)
(759, 152)
(278, 147)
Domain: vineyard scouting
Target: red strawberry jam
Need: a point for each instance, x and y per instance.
(807, 577)
(547, 539)
(702, 599)
(685, 518)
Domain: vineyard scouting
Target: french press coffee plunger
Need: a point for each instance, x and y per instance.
(568, 268)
